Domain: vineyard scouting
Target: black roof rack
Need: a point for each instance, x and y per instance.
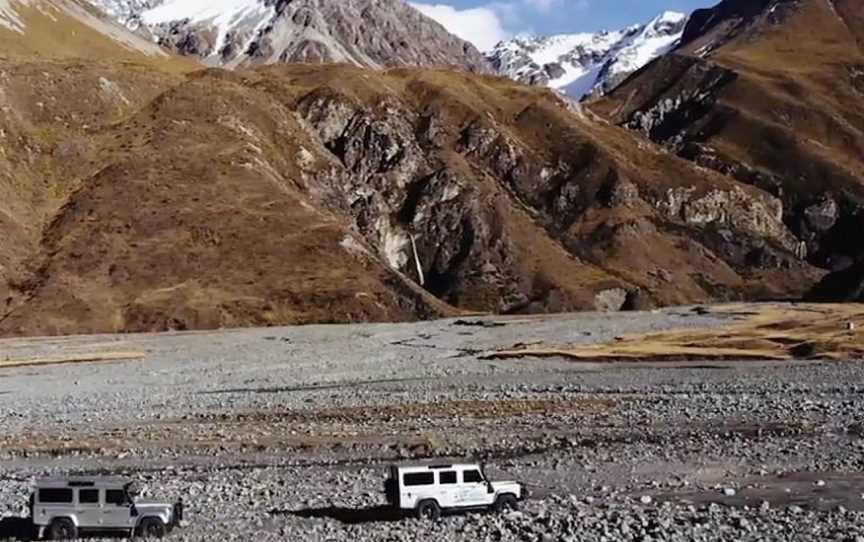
(440, 466)
(81, 483)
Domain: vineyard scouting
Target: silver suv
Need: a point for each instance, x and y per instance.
(63, 508)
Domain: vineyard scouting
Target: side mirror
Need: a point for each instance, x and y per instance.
(489, 488)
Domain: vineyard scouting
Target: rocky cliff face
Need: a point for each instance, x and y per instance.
(587, 64)
(370, 33)
(751, 95)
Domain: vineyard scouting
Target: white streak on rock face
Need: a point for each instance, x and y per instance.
(417, 263)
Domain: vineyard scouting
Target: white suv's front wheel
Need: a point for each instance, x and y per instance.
(506, 503)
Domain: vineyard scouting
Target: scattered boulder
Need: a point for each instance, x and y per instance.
(611, 300)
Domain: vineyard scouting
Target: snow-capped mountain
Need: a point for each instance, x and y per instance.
(231, 33)
(587, 64)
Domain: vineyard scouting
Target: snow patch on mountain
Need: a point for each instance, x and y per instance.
(236, 33)
(126, 12)
(587, 64)
(223, 16)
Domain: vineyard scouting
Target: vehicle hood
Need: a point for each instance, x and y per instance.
(153, 505)
(497, 486)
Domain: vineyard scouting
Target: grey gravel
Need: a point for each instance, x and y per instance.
(285, 433)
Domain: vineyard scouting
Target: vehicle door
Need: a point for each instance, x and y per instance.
(52, 503)
(118, 512)
(473, 489)
(417, 486)
(89, 508)
(448, 488)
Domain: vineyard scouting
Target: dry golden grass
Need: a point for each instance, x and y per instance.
(71, 358)
(758, 332)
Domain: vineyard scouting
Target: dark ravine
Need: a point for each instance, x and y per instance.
(846, 285)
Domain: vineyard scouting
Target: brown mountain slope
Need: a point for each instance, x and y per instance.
(65, 73)
(769, 92)
(329, 193)
(67, 29)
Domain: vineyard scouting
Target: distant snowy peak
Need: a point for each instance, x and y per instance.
(587, 64)
(231, 33)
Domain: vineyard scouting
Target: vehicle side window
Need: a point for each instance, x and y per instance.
(447, 477)
(471, 476)
(115, 496)
(88, 496)
(55, 496)
(420, 479)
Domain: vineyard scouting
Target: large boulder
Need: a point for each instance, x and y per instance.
(846, 285)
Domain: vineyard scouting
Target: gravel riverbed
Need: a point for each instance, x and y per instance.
(286, 433)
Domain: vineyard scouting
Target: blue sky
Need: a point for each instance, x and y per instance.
(485, 21)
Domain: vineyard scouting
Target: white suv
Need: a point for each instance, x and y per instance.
(63, 508)
(428, 489)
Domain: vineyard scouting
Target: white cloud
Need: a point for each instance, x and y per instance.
(480, 26)
(543, 5)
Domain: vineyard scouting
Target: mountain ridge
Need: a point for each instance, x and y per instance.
(140, 194)
(587, 64)
(235, 33)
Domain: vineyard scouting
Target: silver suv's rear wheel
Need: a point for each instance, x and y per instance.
(62, 529)
(151, 528)
(428, 510)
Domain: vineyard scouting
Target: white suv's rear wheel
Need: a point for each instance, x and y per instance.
(428, 510)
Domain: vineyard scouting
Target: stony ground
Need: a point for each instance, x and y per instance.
(285, 434)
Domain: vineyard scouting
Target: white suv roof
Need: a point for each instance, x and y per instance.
(437, 466)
